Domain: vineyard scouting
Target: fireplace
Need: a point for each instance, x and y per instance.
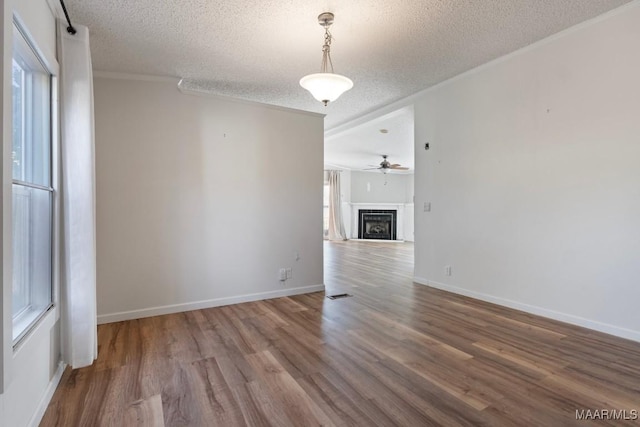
(377, 224)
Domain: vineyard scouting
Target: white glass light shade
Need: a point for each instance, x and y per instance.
(326, 87)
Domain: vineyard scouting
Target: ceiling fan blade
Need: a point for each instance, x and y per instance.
(399, 168)
(394, 165)
(368, 169)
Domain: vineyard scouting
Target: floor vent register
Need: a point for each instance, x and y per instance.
(338, 296)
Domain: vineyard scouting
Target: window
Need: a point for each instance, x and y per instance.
(32, 191)
(325, 210)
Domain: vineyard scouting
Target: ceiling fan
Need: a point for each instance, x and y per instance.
(385, 166)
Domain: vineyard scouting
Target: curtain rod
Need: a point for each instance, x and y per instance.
(70, 28)
(333, 170)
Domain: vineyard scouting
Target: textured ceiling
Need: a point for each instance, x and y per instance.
(361, 146)
(259, 50)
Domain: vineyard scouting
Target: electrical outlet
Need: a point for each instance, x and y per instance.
(289, 273)
(282, 274)
(427, 206)
(447, 270)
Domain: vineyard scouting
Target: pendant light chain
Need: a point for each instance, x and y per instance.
(326, 51)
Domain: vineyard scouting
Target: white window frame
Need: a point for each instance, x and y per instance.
(28, 322)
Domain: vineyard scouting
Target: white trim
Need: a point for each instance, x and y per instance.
(48, 394)
(383, 113)
(208, 94)
(193, 92)
(55, 8)
(334, 166)
(132, 76)
(46, 322)
(49, 62)
(539, 311)
(390, 108)
(198, 305)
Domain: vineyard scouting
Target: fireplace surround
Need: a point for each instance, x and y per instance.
(377, 224)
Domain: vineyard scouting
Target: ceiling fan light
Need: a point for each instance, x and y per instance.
(326, 87)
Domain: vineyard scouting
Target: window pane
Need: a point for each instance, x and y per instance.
(18, 128)
(325, 221)
(32, 196)
(31, 115)
(31, 253)
(325, 212)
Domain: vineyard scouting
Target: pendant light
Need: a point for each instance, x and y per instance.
(326, 86)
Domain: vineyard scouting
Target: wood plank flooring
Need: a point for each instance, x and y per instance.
(394, 353)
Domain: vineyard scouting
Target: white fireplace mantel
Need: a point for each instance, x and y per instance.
(399, 207)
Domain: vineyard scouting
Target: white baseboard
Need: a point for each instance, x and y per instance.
(540, 311)
(197, 305)
(48, 394)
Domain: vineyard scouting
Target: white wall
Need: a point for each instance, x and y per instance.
(201, 200)
(32, 370)
(345, 185)
(398, 187)
(533, 175)
(375, 187)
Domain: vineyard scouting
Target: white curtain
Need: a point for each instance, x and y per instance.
(78, 279)
(336, 226)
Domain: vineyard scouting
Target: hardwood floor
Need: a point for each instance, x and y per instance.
(394, 353)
